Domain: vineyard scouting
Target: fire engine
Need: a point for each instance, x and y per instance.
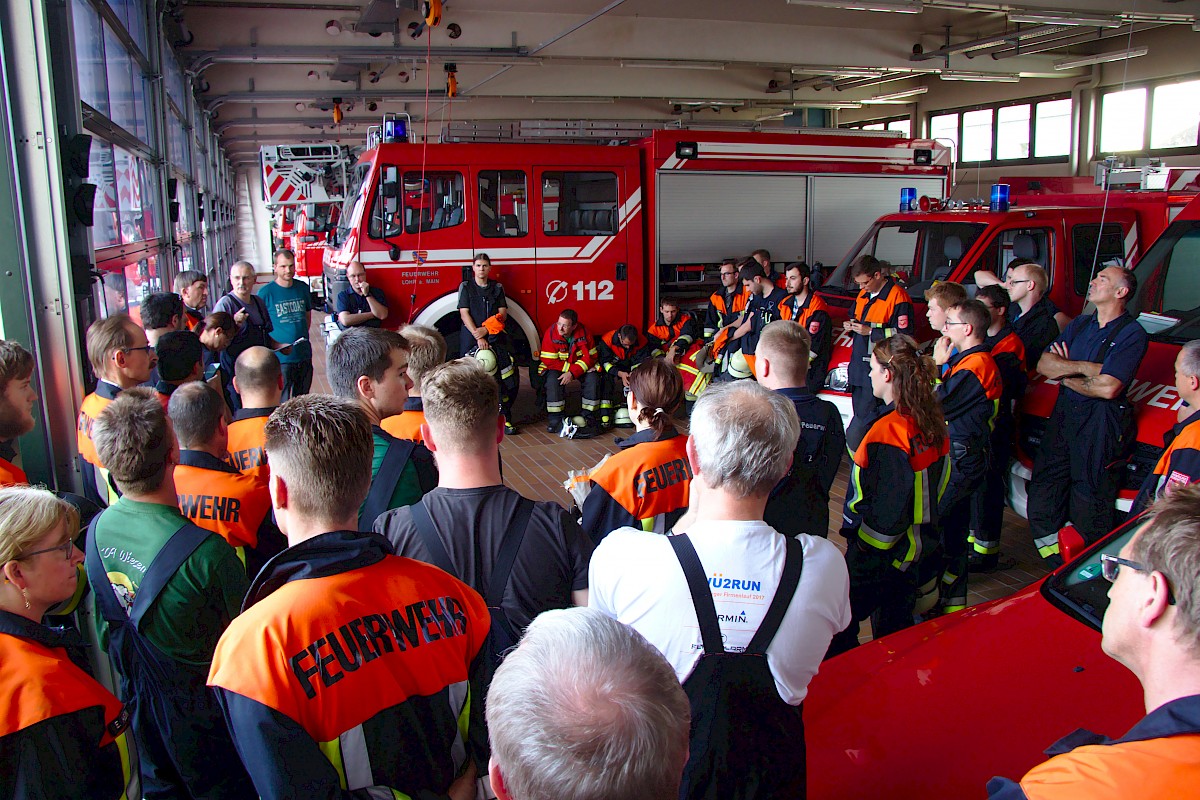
(1072, 227)
(606, 229)
(305, 185)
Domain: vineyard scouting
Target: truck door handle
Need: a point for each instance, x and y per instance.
(622, 271)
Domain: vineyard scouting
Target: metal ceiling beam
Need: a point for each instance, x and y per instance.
(1018, 34)
(324, 54)
(308, 95)
(289, 122)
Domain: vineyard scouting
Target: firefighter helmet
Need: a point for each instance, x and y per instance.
(738, 366)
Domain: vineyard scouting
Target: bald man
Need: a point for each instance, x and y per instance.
(259, 380)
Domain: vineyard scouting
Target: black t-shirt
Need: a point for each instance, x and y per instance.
(552, 562)
(355, 303)
(483, 301)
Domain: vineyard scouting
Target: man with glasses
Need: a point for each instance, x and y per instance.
(1031, 313)
(970, 392)
(121, 358)
(987, 506)
(1152, 627)
(724, 309)
(1091, 431)
(882, 309)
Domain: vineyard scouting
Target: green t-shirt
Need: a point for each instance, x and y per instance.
(288, 309)
(408, 488)
(196, 605)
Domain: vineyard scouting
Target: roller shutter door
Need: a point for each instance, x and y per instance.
(843, 208)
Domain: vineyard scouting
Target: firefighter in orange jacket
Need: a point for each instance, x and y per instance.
(62, 734)
(619, 351)
(804, 307)
(882, 309)
(897, 475)
(121, 358)
(646, 484)
(970, 392)
(673, 332)
(212, 494)
(1179, 464)
(1150, 627)
(258, 378)
(724, 309)
(568, 354)
(351, 671)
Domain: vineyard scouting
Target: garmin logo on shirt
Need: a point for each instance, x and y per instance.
(362, 640)
(739, 617)
(208, 506)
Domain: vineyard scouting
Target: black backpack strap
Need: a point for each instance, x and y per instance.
(706, 610)
(178, 549)
(511, 544)
(383, 485)
(429, 536)
(793, 566)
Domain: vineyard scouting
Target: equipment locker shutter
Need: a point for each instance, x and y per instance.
(704, 217)
(844, 208)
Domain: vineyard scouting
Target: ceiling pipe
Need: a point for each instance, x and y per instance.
(325, 54)
(322, 121)
(860, 83)
(1067, 41)
(292, 95)
(974, 44)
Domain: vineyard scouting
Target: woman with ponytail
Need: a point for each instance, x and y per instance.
(644, 485)
(899, 471)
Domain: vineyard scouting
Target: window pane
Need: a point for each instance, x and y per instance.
(874, 126)
(1087, 262)
(977, 135)
(129, 195)
(902, 125)
(1012, 132)
(1123, 121)
(579, 203)
(89, 56)
(434, 202)
(1176, 115)
(149, 215)
(100, 172)
(1053, 128)
(945, 127)
(503, 206)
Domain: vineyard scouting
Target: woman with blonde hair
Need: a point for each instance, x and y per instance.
(62, 734)
(898, 473)
(646, 483)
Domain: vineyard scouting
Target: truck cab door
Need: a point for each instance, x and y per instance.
(582, 247)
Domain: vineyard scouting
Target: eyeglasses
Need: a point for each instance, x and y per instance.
(66, 547)
(148, 348)
(1014, 281)
(727, 274)
(948, 323)
(1110, 566)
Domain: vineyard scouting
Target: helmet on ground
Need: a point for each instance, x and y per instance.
(623, 417)
(738, 366)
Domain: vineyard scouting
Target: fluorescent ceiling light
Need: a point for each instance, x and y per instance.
(981, 77)
(670, 64)
(799, 104)
(894, 6)
(897, 96)
(1102, 58)
(708, 103)
(1061, 19)
(841, 72)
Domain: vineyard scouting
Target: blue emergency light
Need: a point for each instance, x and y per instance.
(395, 130)
(908, 199)
(999, 197)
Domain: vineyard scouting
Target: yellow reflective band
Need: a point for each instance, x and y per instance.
(333, 751)
(877, 539)
(241, 554)
(1049, 550)
(464, 717)
(131, 772)
(949, 577)
(951, 609)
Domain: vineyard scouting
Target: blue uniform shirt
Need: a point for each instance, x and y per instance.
(1084, 337)
(355, 303)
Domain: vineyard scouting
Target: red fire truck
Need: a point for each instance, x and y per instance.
(1057, 222)
(608, 229)
(304, 185)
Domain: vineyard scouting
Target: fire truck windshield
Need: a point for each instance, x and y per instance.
(917, 252)
(1169, 283)
(360, 173)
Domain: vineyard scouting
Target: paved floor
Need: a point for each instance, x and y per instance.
(536, 463)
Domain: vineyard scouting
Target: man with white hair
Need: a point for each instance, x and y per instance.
(727, 585)
(586, 709)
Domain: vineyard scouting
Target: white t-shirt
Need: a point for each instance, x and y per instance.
(635, 578)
